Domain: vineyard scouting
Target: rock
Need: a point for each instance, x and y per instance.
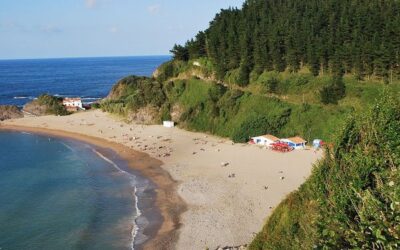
(224, 164)
(282, 177)
(176, 112)
(145, 115)
(35, 108)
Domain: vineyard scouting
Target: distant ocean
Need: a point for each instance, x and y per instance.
(64, 194)
(89, 78)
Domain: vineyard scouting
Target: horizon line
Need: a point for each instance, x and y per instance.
(78, 57)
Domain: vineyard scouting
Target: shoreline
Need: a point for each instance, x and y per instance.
(223, 191)
(167, 201)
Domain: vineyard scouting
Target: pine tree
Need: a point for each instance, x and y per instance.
(180, 53)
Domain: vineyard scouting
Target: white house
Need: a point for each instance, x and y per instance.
(266, 140)
(295, 142)
(73, 103)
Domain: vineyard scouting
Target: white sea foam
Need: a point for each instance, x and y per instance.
(67, 146)
(135, 228)
(91, 98)
(23, 97)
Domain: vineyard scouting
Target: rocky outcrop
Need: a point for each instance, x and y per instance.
(35, 108)
(176, 112)
(147, 115)
(10, 112)
(156, 73)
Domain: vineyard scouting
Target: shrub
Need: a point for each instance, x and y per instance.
(256, 125)
(53, 104)
(272, 85)
(95, 105)
(332, 93)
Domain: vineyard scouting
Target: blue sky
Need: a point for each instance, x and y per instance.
(80, 28)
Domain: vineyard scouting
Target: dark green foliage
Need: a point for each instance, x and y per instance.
(197, 47)
(351, 201)
(166, 71)
(165, 113)
(272, 85)
(359, 37)
(244, 74)
(257, 125)
(180, 52)
(170, 69)
(335, 91)
(53, 104)
(95, 105)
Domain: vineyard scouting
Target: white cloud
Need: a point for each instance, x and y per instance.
(91, 3)
(154, 9)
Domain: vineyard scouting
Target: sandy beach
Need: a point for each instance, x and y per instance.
(211, 192)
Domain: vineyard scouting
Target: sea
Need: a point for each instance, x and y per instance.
(89, 78)
(58, 193)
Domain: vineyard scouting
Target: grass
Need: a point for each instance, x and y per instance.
(293, 109)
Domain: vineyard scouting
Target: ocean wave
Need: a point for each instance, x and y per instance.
(67, 146)
(91, 98)
(109, 161)
(135, 228)
(24, 97)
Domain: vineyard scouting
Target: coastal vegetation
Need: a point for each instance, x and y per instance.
(351, 201)
(293, 108)
(46, 105)
(314, 69)
(9, 112)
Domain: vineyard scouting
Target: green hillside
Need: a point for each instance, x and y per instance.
(327, 70)
(352, 199)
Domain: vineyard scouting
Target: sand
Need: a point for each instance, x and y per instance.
(229, 189)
